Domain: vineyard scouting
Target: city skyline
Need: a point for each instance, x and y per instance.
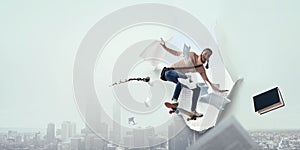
(86, 139)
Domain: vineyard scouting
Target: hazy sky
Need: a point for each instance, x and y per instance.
(39, 40)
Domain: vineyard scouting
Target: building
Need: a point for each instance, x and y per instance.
(50, 136)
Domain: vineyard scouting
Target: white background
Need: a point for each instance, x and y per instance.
(259, 41)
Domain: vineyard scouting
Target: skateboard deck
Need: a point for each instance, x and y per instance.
(178, 110)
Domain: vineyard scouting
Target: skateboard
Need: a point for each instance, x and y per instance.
(177, 110)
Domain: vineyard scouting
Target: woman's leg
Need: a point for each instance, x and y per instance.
(177, 91)
(196, 93)
(172, 75)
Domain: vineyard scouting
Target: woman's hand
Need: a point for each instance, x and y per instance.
(162, 42)
(171, 51)
(216, 89)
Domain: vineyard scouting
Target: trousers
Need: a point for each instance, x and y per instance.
(172, 76)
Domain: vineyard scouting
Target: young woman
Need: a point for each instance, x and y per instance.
(196, 64)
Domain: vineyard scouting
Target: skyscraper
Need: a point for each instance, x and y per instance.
(50, 137)
(68, 130)
(75, 143)
(115, 134)
(72, 130)
(65, 130)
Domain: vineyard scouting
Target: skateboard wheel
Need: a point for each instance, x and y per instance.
(171, 111)
(177, 111)
(188, 119)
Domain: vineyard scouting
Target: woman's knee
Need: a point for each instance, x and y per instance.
(169, 74)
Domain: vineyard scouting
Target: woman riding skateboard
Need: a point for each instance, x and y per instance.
(195, 63)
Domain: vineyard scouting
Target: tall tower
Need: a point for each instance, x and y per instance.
(115, 134)
(65, 130)
(72, 130)
(50, 137)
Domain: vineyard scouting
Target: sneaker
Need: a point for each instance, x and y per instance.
(197, 114)
(174, 102)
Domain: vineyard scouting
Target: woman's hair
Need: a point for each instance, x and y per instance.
(210, 51)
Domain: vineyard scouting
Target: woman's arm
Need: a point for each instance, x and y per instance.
(174, 52)
(202, 72)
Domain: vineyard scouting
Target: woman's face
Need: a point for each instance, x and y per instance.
(205, 55)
